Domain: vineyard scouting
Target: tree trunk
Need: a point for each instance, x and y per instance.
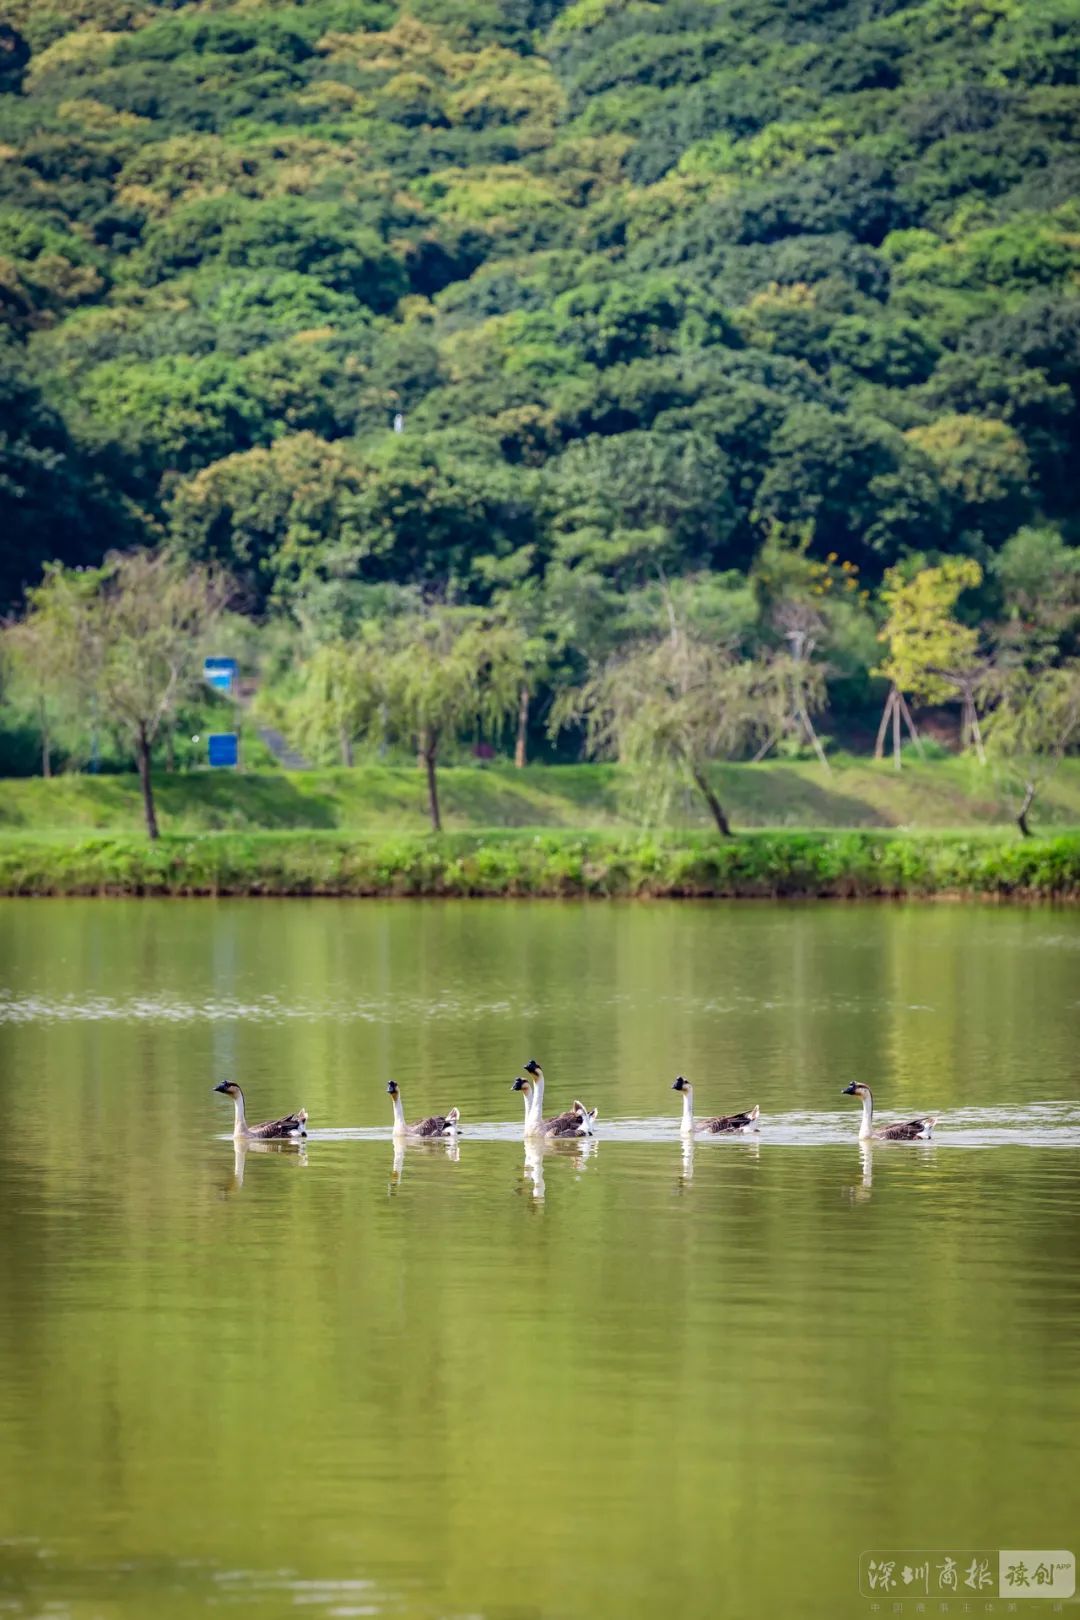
(896, 732)
(522, 728)
(142, 760)
(1022, 815)
(702, 783)
(346, 746)
(429, 748)
(886, 716)
(46, 747)
(910, 723)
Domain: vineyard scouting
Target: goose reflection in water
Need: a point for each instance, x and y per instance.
(579, 1150)
(296, 1152)
(687, 1175)
(862, 1191)
(446, 1147)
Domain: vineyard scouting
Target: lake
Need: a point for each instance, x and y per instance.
(621, 1377)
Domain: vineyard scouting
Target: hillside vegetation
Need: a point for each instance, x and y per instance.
(765, 865)
(641, 280)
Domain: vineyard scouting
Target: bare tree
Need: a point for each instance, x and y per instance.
(798, 679)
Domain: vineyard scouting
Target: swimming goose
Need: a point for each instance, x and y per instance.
(435, 1125)
(723, 1124)
(908, 1130)
(572, 1123)
(292, 1125)
(589, 1116)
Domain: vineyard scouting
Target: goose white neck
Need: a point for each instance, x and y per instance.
(534, 1117)
(687, 1110)
(240, 1121)
(866, 1129)
(400, 1126)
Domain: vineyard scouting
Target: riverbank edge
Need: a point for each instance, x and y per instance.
(872, 864)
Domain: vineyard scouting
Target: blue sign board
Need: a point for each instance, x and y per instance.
(220, 673)
(223, 748)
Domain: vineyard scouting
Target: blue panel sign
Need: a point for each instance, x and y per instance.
(223, 748)
(220, 673)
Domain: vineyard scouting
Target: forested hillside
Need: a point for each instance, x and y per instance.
(544, 308)
(640, 278)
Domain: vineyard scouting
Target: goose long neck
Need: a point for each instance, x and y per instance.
(240, 1118)
(538, 1097)
(866, 1129)
(528, 1096)
(399, 1111)
(688, 1110)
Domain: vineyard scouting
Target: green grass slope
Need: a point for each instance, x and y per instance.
(390, 800)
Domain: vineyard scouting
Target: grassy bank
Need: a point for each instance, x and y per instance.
(390, 799)
(545, 863)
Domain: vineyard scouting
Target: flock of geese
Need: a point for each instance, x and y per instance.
(577, 1121)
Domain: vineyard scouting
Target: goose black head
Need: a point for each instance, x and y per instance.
(520, 1084)
(680, 1084)
(229, 1087)
(532, 1067)
(392, 1088)
(856, 1089)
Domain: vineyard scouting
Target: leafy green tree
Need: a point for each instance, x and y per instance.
(125, 644)
(1039, 578)
(433, 672)
(342, 696)
(667, 707)
(1035, 723)
(930, 652)
(272, 517)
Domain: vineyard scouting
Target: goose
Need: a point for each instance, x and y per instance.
(291, 1125)
(724, 1124)
(908, 1130)
(589, 1116)
(435, 1125)
(572, 1123)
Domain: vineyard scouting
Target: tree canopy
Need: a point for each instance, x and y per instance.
(635, 281)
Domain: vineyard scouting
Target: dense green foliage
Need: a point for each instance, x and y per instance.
(640, 278)
(763, 865)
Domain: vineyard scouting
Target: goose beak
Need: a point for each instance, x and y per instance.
(849, 1091)
(519, 1084)
(224, 1086)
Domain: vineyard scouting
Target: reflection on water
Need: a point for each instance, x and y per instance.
(295, 1152)
(622, 1374)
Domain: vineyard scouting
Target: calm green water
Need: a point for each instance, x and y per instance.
(622, 1381)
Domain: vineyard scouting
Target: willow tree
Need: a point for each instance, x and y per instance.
(931, 655)
(667, 708)
(33, 684)
(126, 643)
(342, 695)
(448, 669)
(1035, 723)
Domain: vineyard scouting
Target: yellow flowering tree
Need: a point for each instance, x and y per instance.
(931, 655)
